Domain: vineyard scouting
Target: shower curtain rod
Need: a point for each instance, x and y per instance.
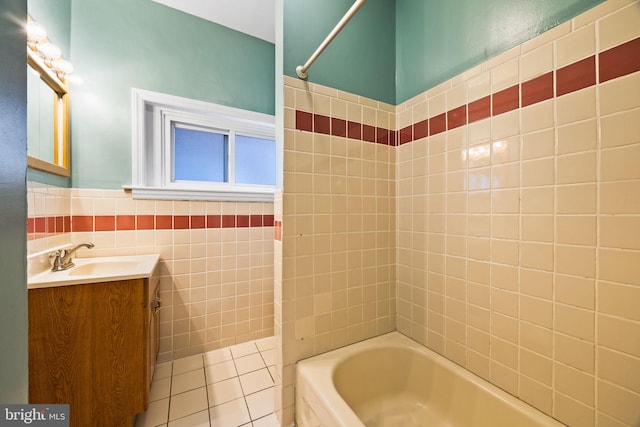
(301, 70)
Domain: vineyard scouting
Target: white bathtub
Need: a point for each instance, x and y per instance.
(391, 380)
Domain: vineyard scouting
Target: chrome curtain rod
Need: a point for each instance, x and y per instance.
(301, 70)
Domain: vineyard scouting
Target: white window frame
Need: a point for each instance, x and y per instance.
(152, 155)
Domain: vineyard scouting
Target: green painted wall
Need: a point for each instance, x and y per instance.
(438, 39)
(14, 374)
(118, 45)
(360, 60)
(428, 41)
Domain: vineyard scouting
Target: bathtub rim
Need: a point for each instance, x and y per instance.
(343, 415)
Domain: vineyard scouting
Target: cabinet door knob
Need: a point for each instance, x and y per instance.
(156, 305)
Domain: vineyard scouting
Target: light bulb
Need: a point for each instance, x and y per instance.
(63, 66)
(36, 32)
(49, 51)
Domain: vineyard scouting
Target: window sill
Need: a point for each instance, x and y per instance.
(236, 194)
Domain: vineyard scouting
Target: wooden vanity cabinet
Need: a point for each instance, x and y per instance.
(93, 346)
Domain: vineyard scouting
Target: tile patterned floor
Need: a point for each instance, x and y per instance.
(228, 387)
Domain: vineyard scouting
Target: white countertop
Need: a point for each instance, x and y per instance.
(96, 270)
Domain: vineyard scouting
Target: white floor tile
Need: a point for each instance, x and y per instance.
(243, 349)
(256, 381)
(249, 363)
(266, 343)
(261, 403)
(224, 391)
(230, 414)
(199, 419)
(239, 388)
(269, 421)
(162, 370)
(160, 389)
(217, 356)
(272, 371)
(269, 357)
(220, 372)
(187, 381)
(157, 414)
(186, 364)
(188, 403)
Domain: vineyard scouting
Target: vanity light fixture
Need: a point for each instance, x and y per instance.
(49, 53)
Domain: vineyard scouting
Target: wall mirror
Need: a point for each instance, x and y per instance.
(47, 119)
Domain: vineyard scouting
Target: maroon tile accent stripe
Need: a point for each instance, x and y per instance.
(438, 124)
(45, 226)
(506, 100)
(82, 223)
(181, 222)
(164, 222)
(105, 223)
(39, 226)
(277, 232)
(267, 220)
(479, 109)
(228, 221)
(125, 222)
(214, 221)
(620, 60)
(616, 62)
(538, 89)
(576, 76)
(382, 136)
(304, 121)
(406, 135)
(321, 124)
(338, 127)
(421, 129)
(368, 133)
(242, 220)
(354, 130)
(457, 117)
(145, 222)
(198, 221)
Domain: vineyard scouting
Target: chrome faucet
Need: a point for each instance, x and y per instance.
(62, 257)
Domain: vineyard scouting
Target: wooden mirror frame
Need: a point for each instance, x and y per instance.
(60, 165)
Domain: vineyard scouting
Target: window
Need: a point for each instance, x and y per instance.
(188, 149)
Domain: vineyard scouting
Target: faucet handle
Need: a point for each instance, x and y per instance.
(57, 257)
(55, 254)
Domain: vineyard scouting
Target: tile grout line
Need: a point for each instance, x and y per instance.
(206, 390)
(244, 395)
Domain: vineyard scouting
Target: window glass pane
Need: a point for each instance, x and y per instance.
(199, 155)
(255, 160)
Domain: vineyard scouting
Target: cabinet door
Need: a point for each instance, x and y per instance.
(60, 333)
(86, 348)
(117, 349)
(154, 330)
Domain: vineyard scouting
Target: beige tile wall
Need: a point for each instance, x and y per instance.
(216, 284)
(518, 242)
(338, 228)
(46, 201)
(279, 380)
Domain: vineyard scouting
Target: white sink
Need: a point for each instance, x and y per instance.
(94, 270)
(102, 268)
